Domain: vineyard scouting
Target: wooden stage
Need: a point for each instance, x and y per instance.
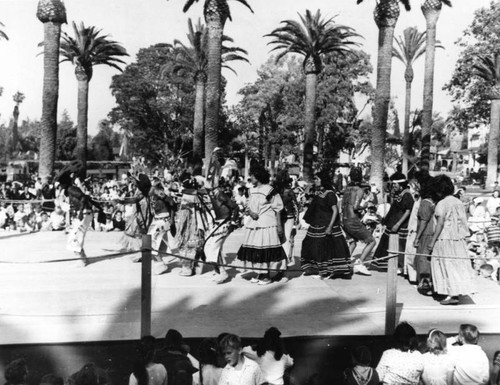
(60, 302)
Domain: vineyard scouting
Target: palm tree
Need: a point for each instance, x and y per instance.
(18, 98)
(85, 50)
(312, 39)
(52, 14)
(3, 35)
(488, 68)
(431, 10)
(216, 13)
(408, 49)
(193, 59)
(386, 16)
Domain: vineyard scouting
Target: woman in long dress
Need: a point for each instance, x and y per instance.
(452, 272)
(325, 253)
(261, 248)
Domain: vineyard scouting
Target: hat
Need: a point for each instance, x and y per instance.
(361, 355)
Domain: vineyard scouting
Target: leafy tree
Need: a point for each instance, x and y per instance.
(85, 50)
(408, 49)
(101, 146)
(386, 16)
(66, 138)
(216, 13)
(312, 38)
(155, 109)
(52, 14)
(474, 83)
(192, 59)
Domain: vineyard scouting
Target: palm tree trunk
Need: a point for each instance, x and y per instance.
(494, 142)
(309, 126)
(15, 131)
(431, 18)
(198, 118)
(81, 131)
(215, 28)
(406, 132)
(52, 34)
(382, 99)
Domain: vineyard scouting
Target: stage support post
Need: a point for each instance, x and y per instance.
(392, 286)
(146, 286)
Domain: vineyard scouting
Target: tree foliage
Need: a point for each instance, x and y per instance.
(467, 88)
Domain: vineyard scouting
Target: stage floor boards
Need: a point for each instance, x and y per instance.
(60, 302)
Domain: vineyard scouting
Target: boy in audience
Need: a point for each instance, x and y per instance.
(58, 219)
(471, 363)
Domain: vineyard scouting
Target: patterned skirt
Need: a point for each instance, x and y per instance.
(383, 246)
(261, 249)
(328, 254)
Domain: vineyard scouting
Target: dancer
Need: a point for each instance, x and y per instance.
(226, 213)
(325, 253)
(396, 223)
(354, 229)
(261, 247)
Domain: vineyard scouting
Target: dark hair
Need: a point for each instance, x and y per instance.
(207, 354)
(145, 355)
(16, 372)
(260, 173)
(271, 342)
(425, 187)
(405, 337)
(51, 379)
(326, 179)
(89, 374)
(441, 187)
(361, 355)
(173, 339)
(356, 175)
(469, 333)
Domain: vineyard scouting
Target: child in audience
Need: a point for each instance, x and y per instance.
(361, 373)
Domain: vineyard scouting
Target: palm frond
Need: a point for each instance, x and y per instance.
(188, 5)
(3, 35)
(485, 68)
(446, 2)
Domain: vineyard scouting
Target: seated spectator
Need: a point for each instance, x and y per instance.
(210, 372)
(476, 249)
(471, 363)
(490, 263)
(271, 356)
(20, 216)
(89, 374)
(45, 224)
(58, 219)
(238, 370)
(16, 372)
(118, 223)
(3, 215)
(174, 356)
(495, 370)
(402, 364)
(361, 372)
(51, 379)
(493, 203)
(480, 218)
(145, 371)
(438, 365)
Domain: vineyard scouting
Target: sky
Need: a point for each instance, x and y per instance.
(140, 23)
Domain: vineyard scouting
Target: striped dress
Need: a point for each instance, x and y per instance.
(326, 254)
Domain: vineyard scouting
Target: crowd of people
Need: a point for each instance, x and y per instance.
(442, 241)
(457, 360)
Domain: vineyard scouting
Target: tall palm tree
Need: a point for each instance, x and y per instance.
(408, 48)
(193, 59)
(431, 10)
(52, 14)
(3, 35)
(18, 98)
(312, 38)
(216, 13)
(386, 16)
(85, 50)
(488, 68)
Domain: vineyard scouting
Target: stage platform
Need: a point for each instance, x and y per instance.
(60, 302)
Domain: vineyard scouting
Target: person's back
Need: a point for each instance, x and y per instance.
(179, 368)
(471, 363)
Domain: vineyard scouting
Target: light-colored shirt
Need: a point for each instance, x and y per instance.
(438, 369)
(248, 374)
(272, 369)
(157, 375)
(400, 368)
(471, 365)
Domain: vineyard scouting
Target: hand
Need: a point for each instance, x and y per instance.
(253, 215)
(395, 228)
(328, 230)
(430, 247)
(280, 231)
(416, 243)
